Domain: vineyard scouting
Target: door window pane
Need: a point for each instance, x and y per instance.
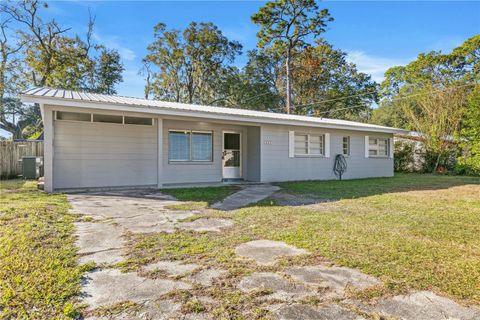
(231, 158)
(201, 146)
(179, 146)
(231, 141)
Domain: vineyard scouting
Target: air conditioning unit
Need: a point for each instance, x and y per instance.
(32, 167)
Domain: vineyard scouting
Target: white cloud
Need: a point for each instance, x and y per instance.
(114, 42)
(373, 65)
(132, 85)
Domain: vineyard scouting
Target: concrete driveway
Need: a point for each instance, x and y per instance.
(108, 216)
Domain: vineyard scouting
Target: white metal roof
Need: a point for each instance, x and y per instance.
(63, 97)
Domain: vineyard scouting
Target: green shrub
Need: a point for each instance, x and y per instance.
(468, 165)
(403, 156)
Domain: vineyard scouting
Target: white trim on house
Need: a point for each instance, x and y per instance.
(367, 143)
(232, 173)
(326, 145)
(118, 103)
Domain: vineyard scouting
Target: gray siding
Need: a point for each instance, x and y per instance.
(193, 172)
(277, 166)
(103, 155)
(253, 151)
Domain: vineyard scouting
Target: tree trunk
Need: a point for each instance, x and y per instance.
(436, 163)
(289, 83)
(17, 133)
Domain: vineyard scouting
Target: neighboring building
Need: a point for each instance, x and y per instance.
(94, 140)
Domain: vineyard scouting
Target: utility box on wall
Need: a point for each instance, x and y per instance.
(32, 167)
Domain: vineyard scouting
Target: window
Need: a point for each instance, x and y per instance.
(138, 121)
(186, 145)
(306, 144)
(107, 118)
(301, 144)
(346, 146)
(202, 146)
(378, 147)
(73, 116)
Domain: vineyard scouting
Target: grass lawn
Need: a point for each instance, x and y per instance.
(199, 198)
(412, 231)
(39, 278)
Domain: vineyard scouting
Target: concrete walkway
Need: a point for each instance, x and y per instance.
(249, 194)
(284, 290)
(100, 240)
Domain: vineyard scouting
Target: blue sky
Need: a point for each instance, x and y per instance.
(377, 34)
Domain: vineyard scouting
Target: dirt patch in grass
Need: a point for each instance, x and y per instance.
(39, 276)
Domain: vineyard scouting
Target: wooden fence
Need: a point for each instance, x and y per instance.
(13, 151)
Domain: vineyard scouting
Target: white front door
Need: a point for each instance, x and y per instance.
(231, 156)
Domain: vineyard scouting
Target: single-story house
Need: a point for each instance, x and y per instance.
(104, 141)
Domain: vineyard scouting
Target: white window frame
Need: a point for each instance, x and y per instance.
(348, 146)
(309, 153)
(190, 160)
(376, 147)
(114, 123)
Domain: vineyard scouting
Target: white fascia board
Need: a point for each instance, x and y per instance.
(198, 114)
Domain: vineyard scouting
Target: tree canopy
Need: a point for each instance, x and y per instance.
(461, 67)
(285, 26)
(437, 95)
(190, 63)
(35, 52)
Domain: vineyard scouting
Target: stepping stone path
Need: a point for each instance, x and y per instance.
(305, 312)
(425, 305)
(285, 292)
(280, 287)
(101, 241)
(328, 284)
(173, 268)
(266, 252)
(249, 194)
(335, 278)
(111, 286)
(207, 277)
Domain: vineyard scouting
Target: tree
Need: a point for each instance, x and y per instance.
(285, 26)
(438, 118)
(10, 64)
(146, 71)
(239, 90)
(189, 63)
(327, 85)
(108, 73)
(459, 68)
(470, 135)
(47, 55)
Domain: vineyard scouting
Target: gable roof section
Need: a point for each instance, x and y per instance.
(94, 100)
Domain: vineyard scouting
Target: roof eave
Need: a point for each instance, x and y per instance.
(196, 114)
